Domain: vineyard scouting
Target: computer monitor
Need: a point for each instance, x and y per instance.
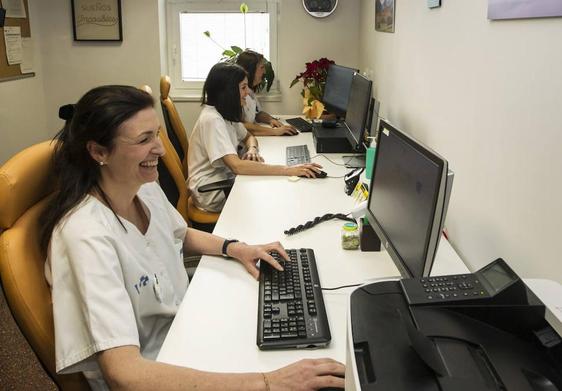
(358, 110)
(336, 90)
(408, 199)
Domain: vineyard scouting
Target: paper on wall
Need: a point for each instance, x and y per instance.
(14, 8)
(26, 65)
(12, 38)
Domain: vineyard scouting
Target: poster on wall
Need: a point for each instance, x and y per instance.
(518, 9)
(384, 15)
(97, 20)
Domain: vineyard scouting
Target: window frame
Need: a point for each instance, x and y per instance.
(192, 90)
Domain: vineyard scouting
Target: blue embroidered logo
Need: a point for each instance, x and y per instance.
(142, 282)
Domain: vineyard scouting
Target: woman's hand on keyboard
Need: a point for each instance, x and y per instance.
(249, 255)
(305, 170)
(307, 375)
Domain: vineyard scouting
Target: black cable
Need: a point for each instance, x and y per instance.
(318, 220)
(331, 161)
(341, 287)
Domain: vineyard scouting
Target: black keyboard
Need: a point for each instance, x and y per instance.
(291, 312)
(301, 124)
(297, 154)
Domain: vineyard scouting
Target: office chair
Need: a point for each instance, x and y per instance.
(172, 177)
(25, 185)
(170, 174)
(174, 125)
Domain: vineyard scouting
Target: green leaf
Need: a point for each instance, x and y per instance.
(228, 53)
(208, 34)
(244, 8)
(236, 49)
(295, 81)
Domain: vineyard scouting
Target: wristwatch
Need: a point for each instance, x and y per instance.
(225, 246)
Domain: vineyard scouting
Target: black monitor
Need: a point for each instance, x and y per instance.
(410, 190)
(358, 110)
(336, 90)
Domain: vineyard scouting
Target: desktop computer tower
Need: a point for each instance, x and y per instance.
(330, 140)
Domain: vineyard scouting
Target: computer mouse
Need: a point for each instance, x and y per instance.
(321, 174)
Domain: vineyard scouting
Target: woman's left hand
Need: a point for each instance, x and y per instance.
(253, 154)
(275, 123)
(249, 255)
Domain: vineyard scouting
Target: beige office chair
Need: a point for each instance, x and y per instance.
(174, 125)
(25, 184)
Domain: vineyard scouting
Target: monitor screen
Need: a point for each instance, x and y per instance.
(336, 90)
(408, 200)
(358, 110)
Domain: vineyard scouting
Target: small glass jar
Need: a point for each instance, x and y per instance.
(350, 236)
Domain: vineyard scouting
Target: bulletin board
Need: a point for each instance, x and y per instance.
(11, 72)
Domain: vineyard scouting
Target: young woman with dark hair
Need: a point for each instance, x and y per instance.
(254, 64)
(115, 256)
(212, 154)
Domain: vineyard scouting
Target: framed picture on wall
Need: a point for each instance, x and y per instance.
(384, 16)
(97, 20)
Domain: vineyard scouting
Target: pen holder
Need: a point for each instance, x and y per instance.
(370, 161)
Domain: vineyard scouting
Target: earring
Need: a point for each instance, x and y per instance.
(101, 163)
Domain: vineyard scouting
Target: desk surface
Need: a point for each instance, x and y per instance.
(215, 328)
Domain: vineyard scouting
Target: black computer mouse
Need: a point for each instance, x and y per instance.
(321, 174)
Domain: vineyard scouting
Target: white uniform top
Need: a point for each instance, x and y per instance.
(113, 288)
(251, 108)
(212, 138)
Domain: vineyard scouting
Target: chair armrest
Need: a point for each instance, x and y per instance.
(224, 185)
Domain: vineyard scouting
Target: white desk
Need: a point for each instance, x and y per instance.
(215, 328)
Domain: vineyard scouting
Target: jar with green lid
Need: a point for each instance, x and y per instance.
(350, 236)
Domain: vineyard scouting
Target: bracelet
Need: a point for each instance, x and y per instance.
(266, 381)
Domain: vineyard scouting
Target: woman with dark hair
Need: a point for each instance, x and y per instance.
(212, 154)
(115, 255)
(254, 64)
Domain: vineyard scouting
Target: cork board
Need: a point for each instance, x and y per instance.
(11, 72)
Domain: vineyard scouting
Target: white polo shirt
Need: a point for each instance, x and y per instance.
(113, 287)
(251, 108)
(212, 138)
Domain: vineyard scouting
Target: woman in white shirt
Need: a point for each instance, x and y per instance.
(115, 256)
(254, 64)
(218, 132)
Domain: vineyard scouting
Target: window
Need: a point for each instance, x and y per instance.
(191, 54)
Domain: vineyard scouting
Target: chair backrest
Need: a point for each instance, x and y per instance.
(25, 185)
(171, 179)
(174, 125)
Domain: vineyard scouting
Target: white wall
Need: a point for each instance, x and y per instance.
(71, 68)
(302, 38)
(22, 103)
(486, 95)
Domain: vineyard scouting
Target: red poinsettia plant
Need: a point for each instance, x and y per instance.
(314, 77)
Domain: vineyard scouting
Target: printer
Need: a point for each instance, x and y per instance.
(480, 331)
